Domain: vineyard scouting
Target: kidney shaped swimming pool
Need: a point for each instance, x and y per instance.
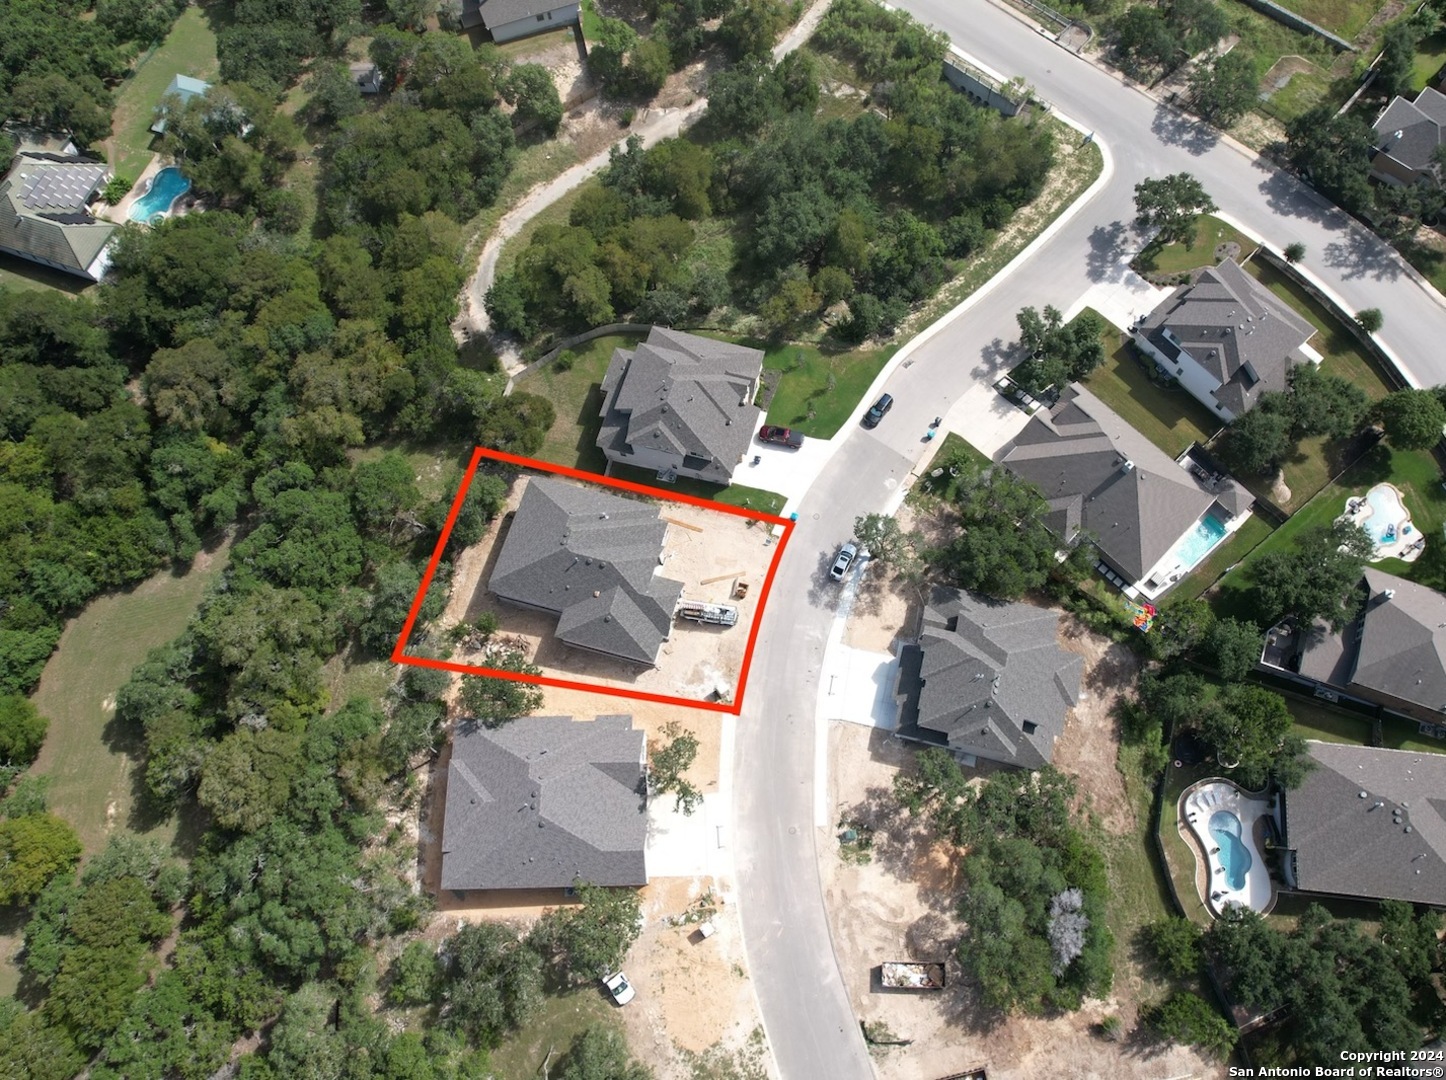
(167, 186)
(1234, 855)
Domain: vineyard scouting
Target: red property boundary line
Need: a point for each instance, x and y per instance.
(479, 454)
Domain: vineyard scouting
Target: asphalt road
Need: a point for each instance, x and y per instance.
(806, 1011)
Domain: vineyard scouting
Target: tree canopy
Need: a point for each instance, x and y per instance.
(1036, 894)
(1315, 578)
(1170, 205)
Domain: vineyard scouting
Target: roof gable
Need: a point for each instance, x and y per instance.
(1410, 131)
(990, 668)
(592, 559)
(544, 801)
(1402, 650)
(44, 211)
(684, 395)
(1389, 844)
(497, 13)
(1233, 327)
(1111, 482)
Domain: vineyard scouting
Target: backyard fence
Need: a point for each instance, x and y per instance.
(1286, 17)
(1392, 374)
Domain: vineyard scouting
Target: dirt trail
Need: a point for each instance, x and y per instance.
(653, 126)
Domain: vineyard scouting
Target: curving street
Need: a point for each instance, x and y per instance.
(806, 1011)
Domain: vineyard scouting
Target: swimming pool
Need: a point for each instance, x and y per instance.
(167, 186)
(1387, 513)
(1234, 855)
(1200, 541)
(1222, 822)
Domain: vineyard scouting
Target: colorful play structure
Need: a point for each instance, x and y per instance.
(1143, 614)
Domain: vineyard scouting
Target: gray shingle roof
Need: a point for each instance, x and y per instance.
(1397, 648)
(1350, 845)
(684, 395)
(1403, 641)
(497, 13)
(591, 558)
(1410, 131)
(44, 213)
(987, 669)
(1236, 329)
(544, 801)
(1077, 454)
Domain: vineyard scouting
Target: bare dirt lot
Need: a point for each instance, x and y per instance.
(901, 905)
(710, 552)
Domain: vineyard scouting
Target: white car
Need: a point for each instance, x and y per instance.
(842, 561)
(619, 987)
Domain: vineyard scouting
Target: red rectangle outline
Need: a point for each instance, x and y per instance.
(399, 655)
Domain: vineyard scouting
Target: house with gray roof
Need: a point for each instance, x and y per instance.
(1368, 823)
(1226, 339)
(987, 679)
(508, 20)
(1151, 519)
(1408, 134)
(181, 89)
(1392, 654)
(592, 559)
(45, 217)
(366, 75)
(682, 405)
(543, 802)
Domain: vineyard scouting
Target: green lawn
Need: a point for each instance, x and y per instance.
(1414, 472)
(1164, 413)
(819, 387)
(591, 20)
(1179, 856)
(1305, 90)
(189, 49)
(1344, 17)
(89, 761)
(1341, 353)
(1139, 887)
(766, 502)
(576, 394)
(1210, 232)
(22, 275)
(1316, 720)
(1430, 58)
(1246, 539)
(559, 1021)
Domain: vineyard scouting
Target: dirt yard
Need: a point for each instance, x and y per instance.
(693, 993)
(901, 904)
(713, 554)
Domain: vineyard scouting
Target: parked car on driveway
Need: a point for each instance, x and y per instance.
(877, 410)
(781, 435)
(619, 987)
(843, 560)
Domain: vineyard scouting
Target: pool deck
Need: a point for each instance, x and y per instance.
(1408, 543)
(120, 213)
(1196, 804)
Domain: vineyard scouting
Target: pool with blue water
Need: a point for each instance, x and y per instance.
(1200, 541)
(1234, 855)
(167, 186)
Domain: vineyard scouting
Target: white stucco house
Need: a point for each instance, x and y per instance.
(1226, 339)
